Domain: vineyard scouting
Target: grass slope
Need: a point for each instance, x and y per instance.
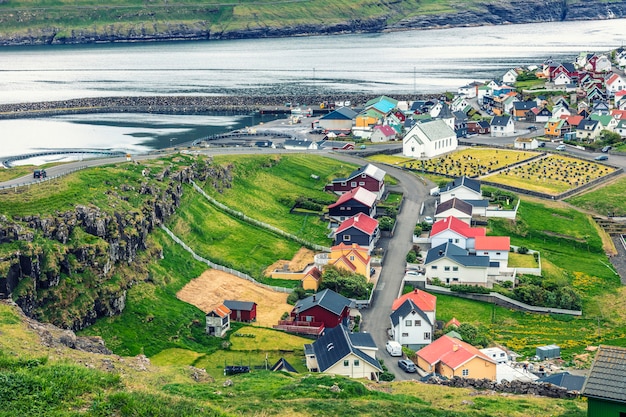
(266, 187)
(134, 16)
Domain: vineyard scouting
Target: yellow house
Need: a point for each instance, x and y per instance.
(452, 357)
(312, 279)
(352, 257)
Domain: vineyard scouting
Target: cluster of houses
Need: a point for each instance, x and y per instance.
(594, 99)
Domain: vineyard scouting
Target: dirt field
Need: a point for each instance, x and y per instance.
(299, 261)
(213, 287)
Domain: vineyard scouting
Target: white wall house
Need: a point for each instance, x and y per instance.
(502, 126)
(429, 139)
(463, 188)
(411, 326)
(453, 265)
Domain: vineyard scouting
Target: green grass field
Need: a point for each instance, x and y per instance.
(225, 240)
(266, 187)
(610, 198)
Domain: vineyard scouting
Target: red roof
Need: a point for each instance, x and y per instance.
(458, 226)
(450, 351)
(492, 243)
(385, 130)
(453, 322)
(361, 221)
(613, 78)
(573, 120)
(359, 194)
(422, 299)
(620, 93)
(619, 114)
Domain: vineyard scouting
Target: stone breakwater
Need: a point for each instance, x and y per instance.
(182, 104)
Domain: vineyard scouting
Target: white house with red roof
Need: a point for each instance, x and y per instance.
(454, 231)
(452, 357)
(614, 83)
(382, 133)
(355, 201)
(495, 247)
(620, 100)
(413, 319)
(360, 229)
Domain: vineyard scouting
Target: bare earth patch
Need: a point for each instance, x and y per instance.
(213, 287)
(299, 261)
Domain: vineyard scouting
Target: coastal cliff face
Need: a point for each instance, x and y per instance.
(73, 267)
(474, 14)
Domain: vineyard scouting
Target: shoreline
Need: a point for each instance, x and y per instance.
(188, 104)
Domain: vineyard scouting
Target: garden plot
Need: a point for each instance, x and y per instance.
(553, 174)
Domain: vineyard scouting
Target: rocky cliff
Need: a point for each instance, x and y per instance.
(71, 268)
(396, 18)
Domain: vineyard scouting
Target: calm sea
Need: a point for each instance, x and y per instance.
(388, 63)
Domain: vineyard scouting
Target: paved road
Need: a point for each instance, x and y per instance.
(376, 318)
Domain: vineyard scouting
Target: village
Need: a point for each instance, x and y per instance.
(581, 106)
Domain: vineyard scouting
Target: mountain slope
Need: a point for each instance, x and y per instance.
(26, 22)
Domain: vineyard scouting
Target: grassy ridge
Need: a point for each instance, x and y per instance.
(266, 187)
(216, 16)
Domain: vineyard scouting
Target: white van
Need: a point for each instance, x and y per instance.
(394, 348)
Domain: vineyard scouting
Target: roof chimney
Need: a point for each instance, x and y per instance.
(440, 252)
(313, 297)
(415, 290)
(455, 348)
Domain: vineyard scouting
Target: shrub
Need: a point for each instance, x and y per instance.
(411, 257)
(418, 230)
(475, 289)
(386, 223)
(522, 250)
(345, 283)
(297, 294)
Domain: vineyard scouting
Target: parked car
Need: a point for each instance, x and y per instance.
(532, 127)
(606, 149)
(602, 157)
(394, 348)
(407, 365)
(40, 173)
(233, 370)
(560, 148)
(428, 220)
(542, 144)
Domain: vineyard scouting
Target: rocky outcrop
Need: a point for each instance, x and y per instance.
(510, 387)
(479, 14)
(64, 268)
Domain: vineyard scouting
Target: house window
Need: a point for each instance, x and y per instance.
(408, 323)
(346, 238)
(308, 318)
(465, 372)
(426, 335)
(446, 268)
(362, 183)
(485, 253)
(456, 240)
(497, 253)
(346, 363)
(418, 322)
(343, 184)
(405, 335)
(342, 208)
(455, 268)
(455, 280)
(363, 175)
(434, 267)
(353, 184)
(450, 240)
(352, 257)
(357, 363)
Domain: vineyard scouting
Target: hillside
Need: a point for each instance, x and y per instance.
(47, 372)
(26, 22)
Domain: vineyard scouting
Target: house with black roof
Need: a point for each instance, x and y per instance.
(605, 387)
(452, 264)
(520, 108)
(243, 311)
(455, 207)
(339, 352)
(327, 307)
(502, 126)
(463, 188)
(565, 380)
